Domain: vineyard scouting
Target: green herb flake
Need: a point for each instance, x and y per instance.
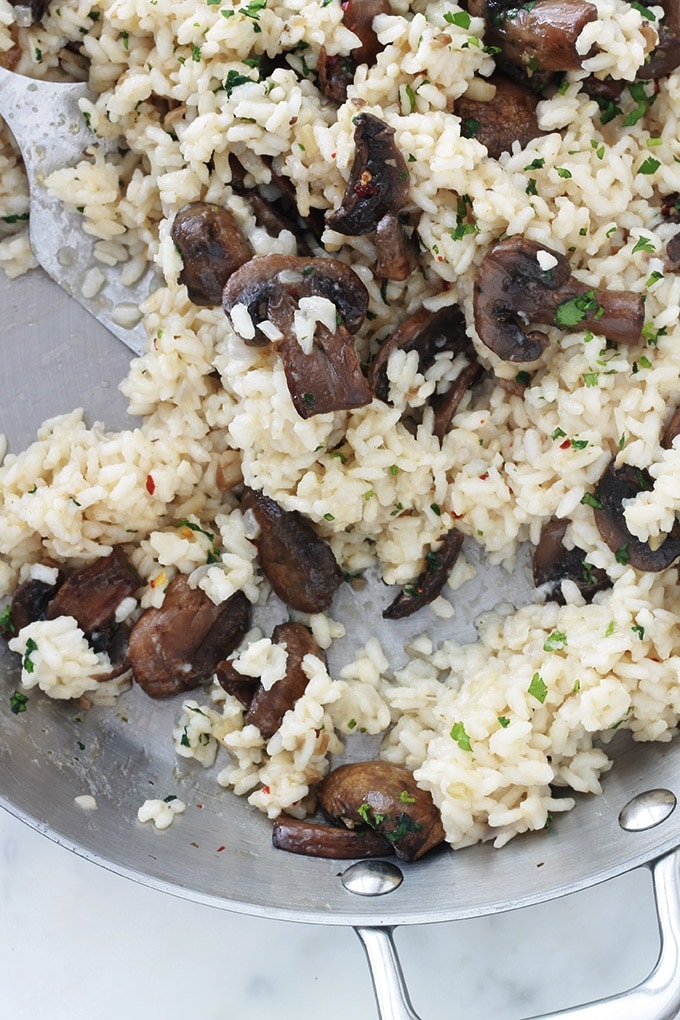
(436, 509)
(649, 166)
(574, 310)
(641, 9)
(578, 444)
(460, 736)
(611, 627)
(563, 172)
(470, 127)
(555, 642)
(653, 278)
(558, 433)
(405, 825)
(523, 378)
(28, 665)
(537, 688)
(460, 18)
(591, 378)
(252, 9)
(8, 627)
(411, 97)
(18, 702)
(622, 555)
(531, 187)
(14, 218)
(643, 244)
(503, 721)
(351, 724)
(329, 517)
(640, 631)
(536, 164)
(587, 499)
(406, 798)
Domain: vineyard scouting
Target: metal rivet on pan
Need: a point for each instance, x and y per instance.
(647, 810)
(372, 878)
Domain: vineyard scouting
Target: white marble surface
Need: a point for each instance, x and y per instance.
(80, 943)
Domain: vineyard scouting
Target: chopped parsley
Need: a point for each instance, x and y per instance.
(459, 734)
(640, 631)
(587, 499)
(18, 702)
(641, 9)
(643, 101)
(8, 628)
(405, 824)
(460, 18)
(537, 688)
(574, 310)
(406, 798)
(503, 721)
(643, 244)
(622, 555)
(555, 641)
(649, 166)
(31, 646)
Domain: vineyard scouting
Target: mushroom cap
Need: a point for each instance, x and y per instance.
(212, 246)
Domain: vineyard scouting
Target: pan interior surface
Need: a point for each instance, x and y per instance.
(219, 851)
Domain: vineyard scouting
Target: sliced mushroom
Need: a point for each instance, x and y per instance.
(554, 563)
(31, 12)
(508, 117)
(313, 839)
(336, 72)
(30, 601)
(239, 686)
(537, 37)
(329, 378)
(275, 208)
(212, 248)
(511, 289)
(378, 181)
(665, 57)
(268, 707)
(430, 583)
(429, 333)
(673, 249)
(297, 562)
(672, 430)
(176, 647)
(615, 487)
(396, 251)
(93, 594)
(387, 798)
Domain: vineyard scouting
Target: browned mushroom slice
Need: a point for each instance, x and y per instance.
(93, 594)
(672, 430)
(446, 404)
(313, 839)
(511, 288)
(212, 247)
(176, 647)
(387, 798)
(329, 377)
(673, 249)
(430, 583)
(239, 686)
(426, 332)
(378, 181)
(297, 562)
(35, 11)
(615, 487)
(665, 57)
(30, 601)
(337, 72)
(553, 563)
(268, 707)
(396, 252)
(539, 36)
(508, 117)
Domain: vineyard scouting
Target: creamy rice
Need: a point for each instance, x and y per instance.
(491, 728)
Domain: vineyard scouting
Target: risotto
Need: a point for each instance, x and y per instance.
(374, 132)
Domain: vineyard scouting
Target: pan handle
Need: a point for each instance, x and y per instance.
(655, 998)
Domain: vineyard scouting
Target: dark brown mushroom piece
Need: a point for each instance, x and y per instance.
(268, 707)
(538, 37)
(378, 181)
(237, 684)
(554, 563)
(386, 798)
(92, 595)
(314, 839)
(29, 603)
(329, 378)
(430, 582)
(275, 209)
(212, 247)
(672, 430)
(497, 123)
(30, 13)
(512, 289)
(665, 57)
(615, 487)
(176, 647)
(397, 253)
(298, 563)
(336, 72)
(430, 333)
(673, 249)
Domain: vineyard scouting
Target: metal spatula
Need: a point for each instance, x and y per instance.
(52, 132)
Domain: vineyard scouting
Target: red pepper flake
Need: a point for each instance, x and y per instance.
(333, 155)
(266, 790)
(220, 849)
(484, 477)
(565, 445)
(150, 485)
(363, 187)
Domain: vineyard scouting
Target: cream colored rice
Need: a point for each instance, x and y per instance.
(500, 472)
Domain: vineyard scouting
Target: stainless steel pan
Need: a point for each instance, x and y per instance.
(55, 357)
